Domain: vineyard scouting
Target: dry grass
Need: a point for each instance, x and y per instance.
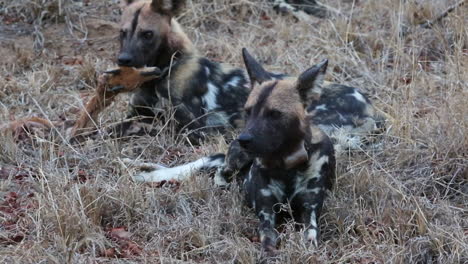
(406, 202)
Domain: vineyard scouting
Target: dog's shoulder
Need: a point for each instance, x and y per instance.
(321, 162)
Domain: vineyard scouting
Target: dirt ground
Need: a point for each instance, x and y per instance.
(405, 201)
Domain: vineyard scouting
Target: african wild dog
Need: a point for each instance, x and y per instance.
(284, 158)
(206, 94)
(294, 160)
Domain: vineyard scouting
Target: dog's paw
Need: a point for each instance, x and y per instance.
(219, 180)
(312, 237)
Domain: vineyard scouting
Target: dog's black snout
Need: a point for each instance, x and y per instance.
(245, 139)
(125, 59)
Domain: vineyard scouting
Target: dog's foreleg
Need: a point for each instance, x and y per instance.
(310, 216)
(182, 172)
(312, 231)
(267, 228)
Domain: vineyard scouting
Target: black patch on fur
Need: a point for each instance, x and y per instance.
(262, 98)
(342, 108)
(219, 156)
(135, 22)
(145, 100)
(308, 79)
(237, 161)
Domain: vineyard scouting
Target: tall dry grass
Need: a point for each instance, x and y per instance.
(403, 202)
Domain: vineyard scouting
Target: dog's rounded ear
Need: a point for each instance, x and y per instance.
(256, 72)
(168, 7)
(311, 81)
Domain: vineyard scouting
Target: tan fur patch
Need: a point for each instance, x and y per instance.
(317, 134)
(284, 97)
(181, 79)
(299, 156)
(162, 23)
(147, 20)
(178, 38)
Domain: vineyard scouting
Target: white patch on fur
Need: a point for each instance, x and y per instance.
(233, 82)
(277, 189)
(210, 97)
(178, 173)
(322, 107)
(358, 96)
(313, 219)
(312, 237)
(218, 179)
(283, 5)
(312, 231)
(207, 71)
(314, 190)
(214, 118)
(313, 172)
(315, 165)
(268, 217)
(260, 163)
(266, 192)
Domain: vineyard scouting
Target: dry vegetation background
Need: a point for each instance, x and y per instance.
(405, 202)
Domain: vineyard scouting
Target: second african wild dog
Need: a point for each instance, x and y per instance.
(282, 156)
(208, 94)
(294, 160)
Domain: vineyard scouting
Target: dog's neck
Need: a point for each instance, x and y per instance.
(174, 47)
(294, 158)
(297, 157)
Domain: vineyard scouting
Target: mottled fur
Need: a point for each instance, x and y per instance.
(343, 113)
(294, 160)
(205, 94)
(282, 156)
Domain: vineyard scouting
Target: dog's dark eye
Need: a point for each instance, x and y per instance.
(148, 35)
(123, 34)
(275, 114)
